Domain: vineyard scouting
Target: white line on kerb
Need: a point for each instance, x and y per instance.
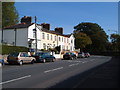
(53, 69)
(15, 79)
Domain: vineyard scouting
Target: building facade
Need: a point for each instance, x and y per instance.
(24, 34)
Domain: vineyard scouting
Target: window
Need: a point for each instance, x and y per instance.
(47, 36)
(65, 40)
(33, 34)
(71, 41)
(54, 46)
(43, 35)
(44, 45)
(29, 45)
(62, 39)
(67, 47)
(51, 37)
(55, 38)
(59, 38)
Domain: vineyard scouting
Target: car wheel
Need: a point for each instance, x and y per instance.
(44, 60)
(53, 60)
(71, 58)
(21, 62)
(75, 57)
(32, 62)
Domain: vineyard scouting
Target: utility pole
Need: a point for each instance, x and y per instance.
(35, 34)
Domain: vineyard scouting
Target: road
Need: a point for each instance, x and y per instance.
(50, 74)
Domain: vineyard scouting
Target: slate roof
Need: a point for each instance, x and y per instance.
(23, 25)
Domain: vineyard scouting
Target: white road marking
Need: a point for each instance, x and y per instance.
(73, 64)
(15, 79)
(53, 69)
(92, 59)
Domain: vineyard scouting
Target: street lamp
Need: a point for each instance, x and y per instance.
(113, 31)
(35, 34)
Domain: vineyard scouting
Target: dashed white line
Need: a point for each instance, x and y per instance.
(15, 79)
(53, 69)
(73, 64)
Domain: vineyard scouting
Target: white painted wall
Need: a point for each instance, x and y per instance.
(21, 36)
(73, 42)
(22, 39)
(9, 36)
(31, 36)
(25, 34)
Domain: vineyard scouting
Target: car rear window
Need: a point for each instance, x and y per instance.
(67, 53)
(39, 54)
(14, 54)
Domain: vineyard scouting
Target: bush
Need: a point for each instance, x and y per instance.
(9, 49)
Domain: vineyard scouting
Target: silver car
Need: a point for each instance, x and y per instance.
(81, 55)
(20, 58)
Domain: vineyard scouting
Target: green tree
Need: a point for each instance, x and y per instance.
(96, 33)
(115, 40)
(9, 14)
(81, 40)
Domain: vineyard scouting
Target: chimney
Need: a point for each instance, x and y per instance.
(46, 26)
(59, 30)
(26, 20)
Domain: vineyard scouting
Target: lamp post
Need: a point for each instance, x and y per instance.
(114, 31)
(35, 35)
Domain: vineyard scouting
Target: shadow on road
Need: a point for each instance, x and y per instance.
(103, 76)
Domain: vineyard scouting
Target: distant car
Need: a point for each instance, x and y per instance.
(81, 55)
(44, 57)
(20, 58)
(2, 62)
(87, 55)
(69, 55)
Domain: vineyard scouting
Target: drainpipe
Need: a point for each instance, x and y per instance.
(15, 36)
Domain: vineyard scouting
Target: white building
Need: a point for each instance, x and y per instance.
(23, 34)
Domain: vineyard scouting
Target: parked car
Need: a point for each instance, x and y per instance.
(44, 57)
(20, 58)
(2, 62)
(69, 55)
(87, 54)
(81, 55)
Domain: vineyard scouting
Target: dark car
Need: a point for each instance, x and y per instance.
(87, 54)
(44, 57)
(69, 55)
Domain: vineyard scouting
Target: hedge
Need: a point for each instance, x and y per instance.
(9, 49)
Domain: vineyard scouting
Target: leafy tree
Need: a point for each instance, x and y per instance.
(115, 40)
(9, 14)
(96, 33)
(81, 40)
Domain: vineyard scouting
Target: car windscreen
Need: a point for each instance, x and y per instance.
(14, 54)
(80, 53)
(67, 53)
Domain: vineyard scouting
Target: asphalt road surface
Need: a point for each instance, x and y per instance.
(50, 74)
